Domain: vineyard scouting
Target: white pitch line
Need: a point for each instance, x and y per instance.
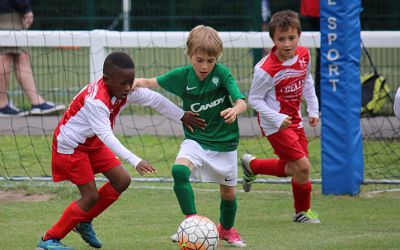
(210, 189)
(47, 182)
(373, 193)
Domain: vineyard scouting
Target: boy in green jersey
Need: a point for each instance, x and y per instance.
(209, 151)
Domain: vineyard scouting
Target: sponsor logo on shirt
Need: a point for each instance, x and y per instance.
(197, 107)
(294, 87)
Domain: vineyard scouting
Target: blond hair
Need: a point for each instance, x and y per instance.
(204, 39)
(283, 20)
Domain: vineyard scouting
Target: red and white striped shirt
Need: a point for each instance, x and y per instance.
(90, 118)
(277, 90)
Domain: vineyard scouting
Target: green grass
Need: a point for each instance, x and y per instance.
(148, 213)
(30, 155)
(145, 218)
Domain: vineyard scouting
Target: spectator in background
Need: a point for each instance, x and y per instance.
(17, 15)
(311, 10)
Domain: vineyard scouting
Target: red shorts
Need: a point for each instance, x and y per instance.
(289, 144)
(80, 167)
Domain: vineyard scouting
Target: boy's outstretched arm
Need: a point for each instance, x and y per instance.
(145, 83)
(99, 121)
(147, 97)
(230, 114)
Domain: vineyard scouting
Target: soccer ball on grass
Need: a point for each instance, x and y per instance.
(197, 233)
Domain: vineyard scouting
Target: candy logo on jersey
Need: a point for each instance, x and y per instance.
(197, 107)
(215, 80)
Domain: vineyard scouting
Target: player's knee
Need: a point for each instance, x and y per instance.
(125, 182)
(122, 183)
(299, 167)
(229, 196)
(180, 173)
(303, 167)
(91, 198)
(228, 192)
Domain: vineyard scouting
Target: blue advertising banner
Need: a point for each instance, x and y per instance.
(341, 137)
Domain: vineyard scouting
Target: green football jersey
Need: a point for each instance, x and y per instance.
(208, 98)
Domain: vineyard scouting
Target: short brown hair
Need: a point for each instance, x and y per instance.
(284, 20)
(206, 39)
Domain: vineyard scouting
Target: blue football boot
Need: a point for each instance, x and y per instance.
(85, 230)
(51, 244)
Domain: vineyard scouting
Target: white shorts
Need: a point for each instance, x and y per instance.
(210, 166)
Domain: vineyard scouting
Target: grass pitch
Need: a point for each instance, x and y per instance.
(147, 214)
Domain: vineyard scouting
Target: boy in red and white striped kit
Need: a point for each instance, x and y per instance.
(84, 145)
(280, 80)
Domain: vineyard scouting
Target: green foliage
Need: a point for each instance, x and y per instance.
(183, 15)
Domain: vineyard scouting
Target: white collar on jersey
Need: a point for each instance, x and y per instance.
(291, 61)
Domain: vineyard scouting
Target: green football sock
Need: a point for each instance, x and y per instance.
(228, 213)
(183, 189)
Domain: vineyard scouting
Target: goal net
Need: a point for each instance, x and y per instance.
(65, 61)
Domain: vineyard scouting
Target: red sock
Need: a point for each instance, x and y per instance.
(275, 167)
(301, 196)
(71, 217)
(107, 196)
